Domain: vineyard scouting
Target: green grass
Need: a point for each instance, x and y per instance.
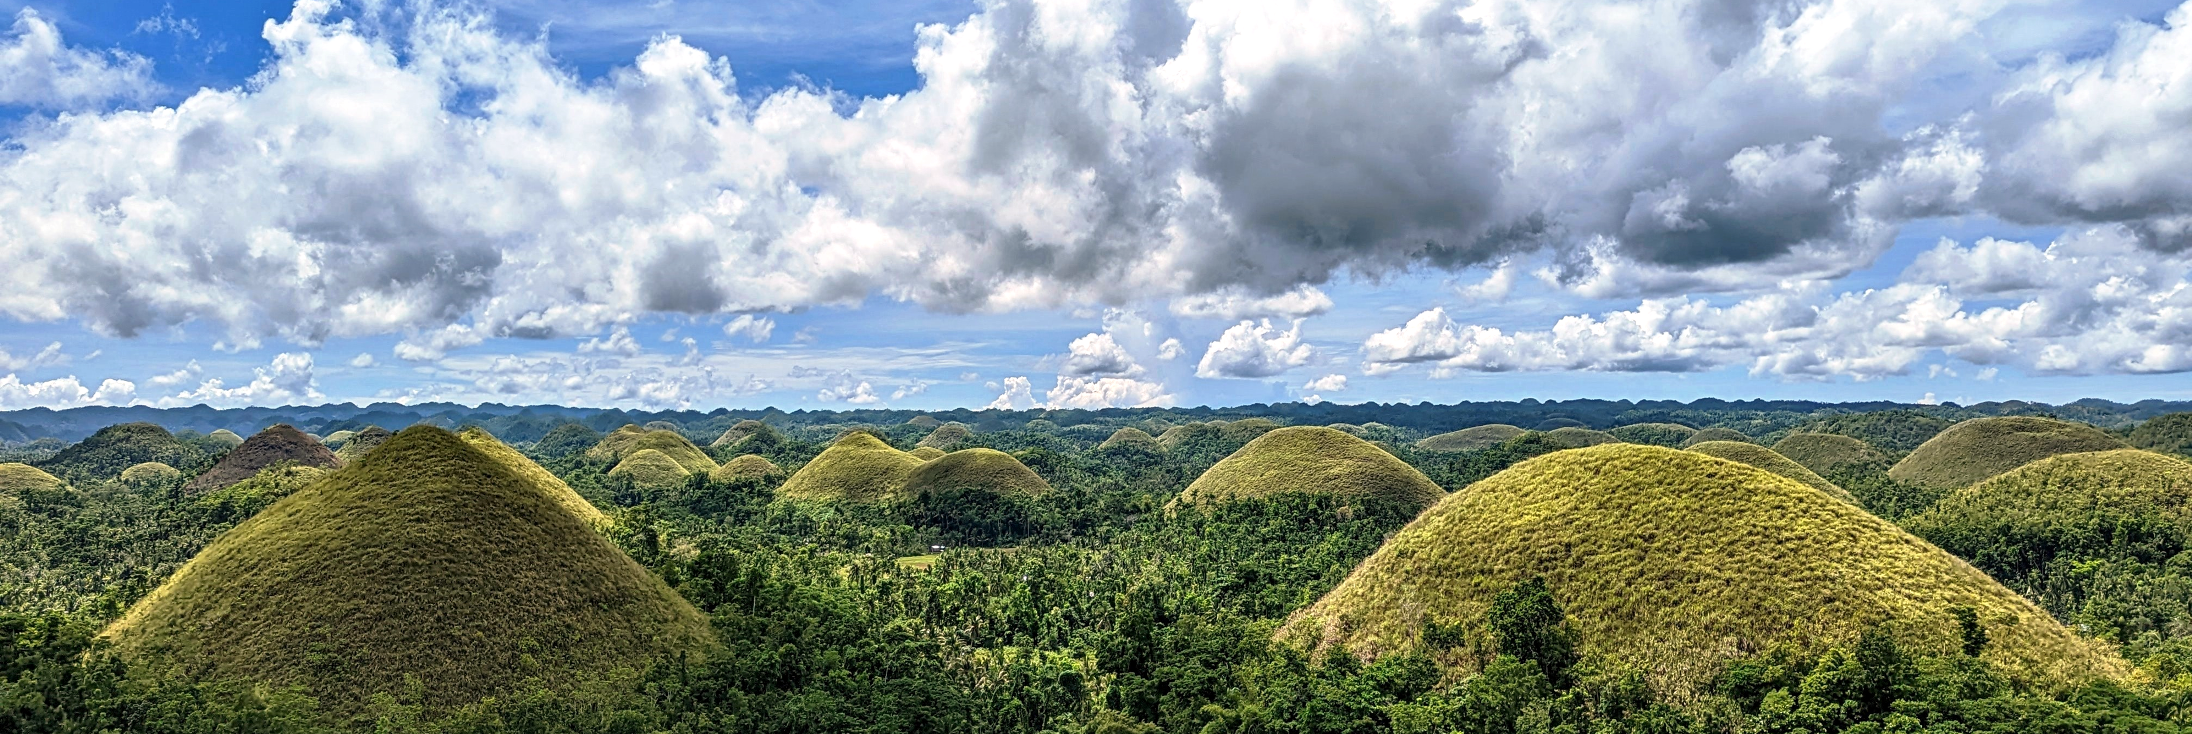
(739, 432)
(105, 454)
(1972, 451)
(1240, 431)
(278, 444)
(924, 421)
(749, 466)
(651, 469)
(629, 440)
(1312, 460)
(338, 437)
(1131, 437)
(918, 563)
(1470, 439)
(927, 453)
(1825, 452)
(226, 437)
(246, 498)
(542, 479)
(1670, 435)
(1764, 458)
(362, 443)
(429, 564)
(1576, 438)
(1674, 563)
(150, 472)
(858, 468)
(2169, 434)
(983, 469)
(1715, 434)
(16, 479)
(947, 436)
(1893, 431)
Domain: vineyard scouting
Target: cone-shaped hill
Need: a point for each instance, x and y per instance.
(745, 467)
(105, 454)
(277, 444)
(1715, 434)
(946, 436)
(2079, 506)
(19, 478)
(624, 442)
(1764, 458)
(982, 469)
(651, 469)
(1312, 460)
(226, 438)
(150, 472)
(1131, 438)
(541, 478)
(857, 468)
(1972, 451)
(1825, 452)
(1576, 438)
(927, 453)
(1675, 562)
(1470, 439)
(748, 436)
(429, 560)
(1670, 435)
(924, 421)
(362, 443)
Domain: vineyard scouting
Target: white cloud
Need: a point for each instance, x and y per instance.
(1235, 304)
(1252, 349)
(1327, 383)
(619, 341)
(843, 387)
(1019, 394)
(910, 389)
(1171, 349)
(1098, 354)
(65, 392)
(50, 356)
(287, 380)
(186, 374)
(38, 70)
(751, 328)
(1093, 393)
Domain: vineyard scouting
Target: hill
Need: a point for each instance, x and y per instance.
(1894, 431)
(150, 472)
(947, 436)
(16, 479)
(106, 453)
(927, 453)
(1576, 438)
(361, 443)
(1131, 438)
(1970, 452)
(651, 469)
(1670, 435)
(1764, 458)
(1315, 461)
(1715, 434)
(857, 468)
(566, 439)
(278, 444)
(226, 438)
(1470, 439)
(429, 564)
(1675, 562)
(1825, 452)
(924, 421)
(738, 432)
(542, 479)
(2169, 434)
(624, 442)
(987, 470)
(745, 467)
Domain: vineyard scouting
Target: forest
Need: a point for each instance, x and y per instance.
(1518, 568)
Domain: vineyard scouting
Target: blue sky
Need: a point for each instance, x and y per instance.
(675, 203)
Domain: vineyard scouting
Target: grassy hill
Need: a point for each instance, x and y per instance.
(1715, 434)
(1470, 439)
(566, 439)
(947, 436)
(1674, 562)
(1894, 431)
(1670, 435)
(1315, 461)
(748, 466)
(738, 432)
(927, 453)
(1131, 438)
(651, 469)
(106, 453)
(150, 472)
(983, 469)
(19, 478)
(624, 442)
(226, 437)
(857, 468)
(2169, 434)
(542, 479)
(1825, 452)
(278, 444)
(1576, 438)
(1970, 452)
(428, 562)
(362, 443)
(1764, 458)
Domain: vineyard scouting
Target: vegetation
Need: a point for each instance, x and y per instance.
(649, 469)
(1823, 453)
(1674, 563)
(361, 443)
(2169, 434)
(1974, 450)
(1470, 439)
(1132, 437)
(985, 469)
(927, 453)
(1895, 431)
(105, 454)
(150, 473)
(543, 480)
(18, 479)
(858, 468)
(1764, 458)
(429, 565)
(1313, 461)
(1670, 435)
(749, 466)
(279, 444)
(738, 432)
(947, 436)
(1576, 438)
(565, 440)
(226, 438)
(1715, 434)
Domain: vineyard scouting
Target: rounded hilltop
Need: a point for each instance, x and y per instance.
(987, 470)
(2101, 503)
(1312, 460)
(1974, 450)
(858, 468)
(1825, 452)
(1752, 454)
(1470, 439)
(748, 466)
(428, 566)
(278, 444)
(1674, 562)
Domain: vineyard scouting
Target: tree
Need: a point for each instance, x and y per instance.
(1530, 626)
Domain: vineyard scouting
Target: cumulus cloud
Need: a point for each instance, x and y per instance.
(1171, 349)
(751, 328)
(65, 392)
(619, 342)
(38, 70)
(842, 386)
(1255, 349)
(1083, 392)
(1110, 151)
(2092, 302)
(1019, 394)
(286, 380)
(1327, 383)
(1098, 354)
(50, 356)
(363, 360)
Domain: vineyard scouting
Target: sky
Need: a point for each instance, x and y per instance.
(1092, 203)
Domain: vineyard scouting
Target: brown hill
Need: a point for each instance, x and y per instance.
(277, 444)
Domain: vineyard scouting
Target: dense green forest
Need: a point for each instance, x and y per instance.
(1095, 601)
